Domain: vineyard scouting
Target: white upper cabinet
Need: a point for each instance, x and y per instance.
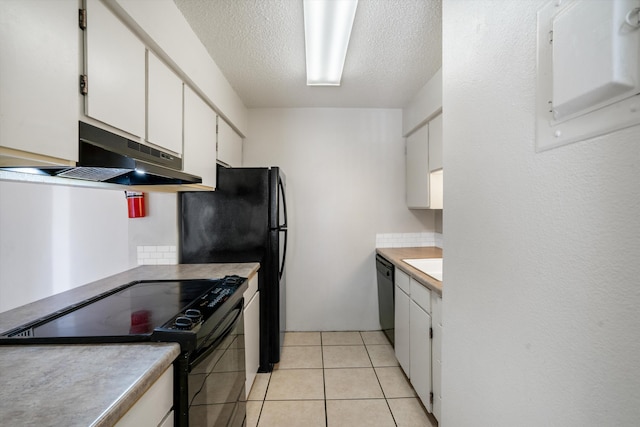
(229, 145)
(417, 169)
(164, 24)
(164, 105)
(38, 82)
(422, 124)
(424, 166)
(436, 172)
(435, 143)
(115, 67)
(199, 138)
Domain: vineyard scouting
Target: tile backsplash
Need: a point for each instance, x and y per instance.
(157, 255)
(402, 240)
(167, 254)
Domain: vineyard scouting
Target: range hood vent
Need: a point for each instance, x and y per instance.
(92, 174)
(107, 157)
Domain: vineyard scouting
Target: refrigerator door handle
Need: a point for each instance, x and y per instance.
(283, 227)
(284, 203)
(284, 252)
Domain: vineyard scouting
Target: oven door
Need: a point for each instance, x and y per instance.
(216, 382)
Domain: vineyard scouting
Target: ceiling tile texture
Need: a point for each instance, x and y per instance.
(395, 48)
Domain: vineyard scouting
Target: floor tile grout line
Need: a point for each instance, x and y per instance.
(386, 400)
(324, 383)
(324, 370)
(264, 398)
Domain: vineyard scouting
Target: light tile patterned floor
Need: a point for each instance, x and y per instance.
(335, 379)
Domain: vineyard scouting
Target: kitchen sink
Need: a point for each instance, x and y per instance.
(429, 266)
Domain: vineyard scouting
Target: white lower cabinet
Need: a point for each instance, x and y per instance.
(154, 406)
(402, 332)
(251, 332)
(413, 338)
(420, 353)
(168, 420)
(401, 310)
(436, 352)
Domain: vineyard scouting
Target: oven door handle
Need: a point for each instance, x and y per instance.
(205, 351)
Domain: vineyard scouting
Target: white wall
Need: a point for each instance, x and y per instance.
(345, 183)
(54, 238)
(158, 228)
(541, 318)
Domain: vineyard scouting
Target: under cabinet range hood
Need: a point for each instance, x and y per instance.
(106, 157)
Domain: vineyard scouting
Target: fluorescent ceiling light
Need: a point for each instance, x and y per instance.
(327, 28)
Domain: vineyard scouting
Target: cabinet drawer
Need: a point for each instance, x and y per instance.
(402, 281)
(421, 295)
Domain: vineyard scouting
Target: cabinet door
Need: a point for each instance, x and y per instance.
(252, 339)
(168, 420)
(229, 145)
(39, 80)
(435, 143)
(436, 352)
(115, 66)
(402, 332)
(164, 105)
(417, 172)
(153, 406)
(199, 156)
(420, 353)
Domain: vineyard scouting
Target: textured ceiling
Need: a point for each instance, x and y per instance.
(395, 47)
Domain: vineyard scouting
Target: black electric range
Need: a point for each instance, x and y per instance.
(204, 316)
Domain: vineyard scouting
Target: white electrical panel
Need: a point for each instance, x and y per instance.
(588, 69)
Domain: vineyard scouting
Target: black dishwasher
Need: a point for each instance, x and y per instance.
(386, 296)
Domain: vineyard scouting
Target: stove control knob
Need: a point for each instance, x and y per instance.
(183, 322)
(193, 314)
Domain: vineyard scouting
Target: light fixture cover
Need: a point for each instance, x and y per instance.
(327, 29)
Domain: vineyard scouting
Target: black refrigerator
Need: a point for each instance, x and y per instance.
(243, 220)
